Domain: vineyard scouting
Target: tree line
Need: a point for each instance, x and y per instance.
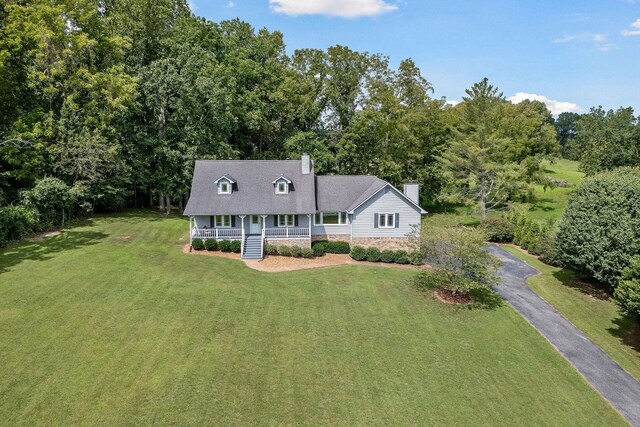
(106, 104)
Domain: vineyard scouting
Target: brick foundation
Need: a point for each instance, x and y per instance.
(331, 237)
(303, 243)
(405, 243)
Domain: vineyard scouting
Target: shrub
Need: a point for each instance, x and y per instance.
(460, 253)
(197, 244)
(307, 253)
(600, 229)
(236, 246)
(547, 249)
(373, 254)
(358, 253)
(16, 222)
(211, 245)
(284, 250)
(225, 245)
(435, 278)
(271, 250)
(318, 250)
(52, 199)
(337, 247)
(415, 258)
(387, 256)
(401, 257)
(296, 251)
(320, 244)
(627, 293)
(498, 228)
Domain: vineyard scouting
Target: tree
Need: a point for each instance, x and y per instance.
(565, 126)
(627, 293)
(459, 256)
(608, 139)
(600, 229)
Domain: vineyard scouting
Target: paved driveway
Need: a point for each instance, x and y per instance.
(605, 375)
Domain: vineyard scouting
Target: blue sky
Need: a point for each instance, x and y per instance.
(575, 54)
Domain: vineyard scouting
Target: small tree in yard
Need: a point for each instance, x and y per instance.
(459, 259)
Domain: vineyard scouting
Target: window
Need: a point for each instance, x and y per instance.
(285, 221)
(223, 221)
(281, 188)
(224, 188)
(386, 220)
(330, 218)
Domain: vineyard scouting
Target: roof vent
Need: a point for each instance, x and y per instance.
(306, 164)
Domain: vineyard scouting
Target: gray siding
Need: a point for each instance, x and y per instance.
(386, 201)
(204, 220)
(303, 221)
(324, 230)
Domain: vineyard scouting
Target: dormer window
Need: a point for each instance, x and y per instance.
(282, 185)
(225, 184)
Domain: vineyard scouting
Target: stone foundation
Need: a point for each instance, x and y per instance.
(303, 243)
(395, 243)
(331, 237)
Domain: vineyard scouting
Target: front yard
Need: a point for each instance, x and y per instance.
(110, 323)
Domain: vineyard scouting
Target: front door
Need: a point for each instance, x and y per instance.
(255, 227)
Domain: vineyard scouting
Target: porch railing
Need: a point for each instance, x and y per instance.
(218, 233)
(287, 232)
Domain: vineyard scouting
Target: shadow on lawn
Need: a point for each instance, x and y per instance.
(43, 250)
(628, 331)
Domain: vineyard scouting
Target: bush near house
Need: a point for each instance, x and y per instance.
(197, 244)
(401, 257)
(387, 256)
(236, 246)
(271, 250)
(333, 247)
(318, 250)
(359, 253)
(211, 245)
(373, 254)
(600, 230)
(225, 245)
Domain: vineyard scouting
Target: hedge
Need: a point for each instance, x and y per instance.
(600, 229)
(197, 244)
(333, 247)
(236, 246)
(211, 245)
(16, 222)
(225, 245)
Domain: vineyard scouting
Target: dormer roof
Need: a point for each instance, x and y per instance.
(225, 177)
(282, 178)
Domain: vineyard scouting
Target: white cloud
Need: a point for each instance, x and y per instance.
(230, 4)
(635, 31)
(556, 107)
(341, 8)
(566, 39)
(192, 5)
(599, 38)
(452, 102)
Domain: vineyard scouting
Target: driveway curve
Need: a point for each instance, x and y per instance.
(606, 376)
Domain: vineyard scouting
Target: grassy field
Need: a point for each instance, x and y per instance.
(110, 323)
(547, 205)
(589, 308)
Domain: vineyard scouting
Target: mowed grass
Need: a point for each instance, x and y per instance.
(546, 206)
(111, 324)
(589, 308)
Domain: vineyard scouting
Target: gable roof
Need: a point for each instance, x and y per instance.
(253, 192)
(227, 177)
(341, 192)
(282, 178)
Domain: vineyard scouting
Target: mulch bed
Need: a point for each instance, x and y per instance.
(449, 297)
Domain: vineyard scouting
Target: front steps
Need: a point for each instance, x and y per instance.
(252, 247)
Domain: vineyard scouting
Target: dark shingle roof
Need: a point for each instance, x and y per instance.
(345, 192)
(254, 192)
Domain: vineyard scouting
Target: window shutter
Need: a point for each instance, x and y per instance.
(375, 220)
(397, 221)
(275, 220)
(295, 220)
(212, 221)
(233, 221)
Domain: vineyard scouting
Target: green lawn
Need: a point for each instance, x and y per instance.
(546, 205)
(589, 308)
(111, 324)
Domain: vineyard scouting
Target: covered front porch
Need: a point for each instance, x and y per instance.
(251, 228)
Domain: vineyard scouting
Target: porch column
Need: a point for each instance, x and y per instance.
(309, 216)
(242, 238)
(190, 231)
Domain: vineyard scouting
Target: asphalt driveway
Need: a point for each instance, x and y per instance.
(605, 375)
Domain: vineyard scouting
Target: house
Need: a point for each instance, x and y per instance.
(280, 202)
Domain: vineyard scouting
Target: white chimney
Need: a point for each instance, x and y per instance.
(306, 164)
(412, 191)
